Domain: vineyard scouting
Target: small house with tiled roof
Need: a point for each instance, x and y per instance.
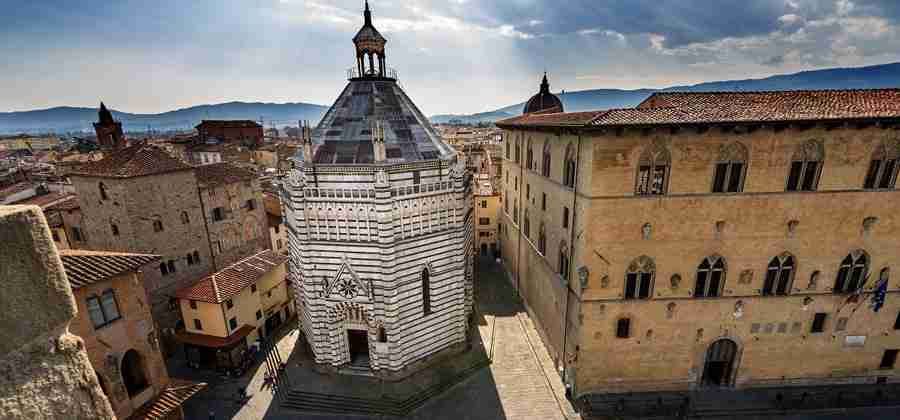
(701, 241)
(229, 310)
(120, 337)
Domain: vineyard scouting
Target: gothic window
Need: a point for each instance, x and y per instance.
(516, 212)
(542, 240)
(508, 156)
(190, 259)
(653, 171)
(546, 159)
(426, 291)
(184, 218)
(102, 188)
(157, 226)
(163, 269)
(133, 375)
(883, 169)
(382, 335)
(569, 167)
(731, 168)
(639, 278)
(171, 266)
(544, 201)
(114, 228)
(779, 276)
(710, 277)
(623, 328)
(196, 257)
(527, 225)
(518, 149)
(563, 265)
(529, 155)
(853, 272)
(806, 167)
(565, 218)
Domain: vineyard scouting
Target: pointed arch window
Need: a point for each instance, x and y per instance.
(527, 225)
(516, 211)
(653, 171)
(542, 240)
(639, 278)
(569, 167)
(103, 195)
(157, 226)
(710, 277)
(806, 167)
(426, 291)
(546, 159)
(779, 276)
(731, 168)
(529, 155)
(563, 265)
(884, 167)
(518, 149)
(185, 219)
(853, 273)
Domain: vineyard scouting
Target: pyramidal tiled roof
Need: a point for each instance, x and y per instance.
(88, 267)
(139, 159)
(228, 282)
(344, 135)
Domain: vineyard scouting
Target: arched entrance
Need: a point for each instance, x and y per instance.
(133, 373)
(720, 361)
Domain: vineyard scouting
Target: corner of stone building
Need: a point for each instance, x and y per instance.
(45, 372)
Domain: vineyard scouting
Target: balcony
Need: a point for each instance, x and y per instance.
(390, 73)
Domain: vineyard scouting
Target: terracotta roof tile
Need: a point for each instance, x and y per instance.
(734, 107)
(171, 399)
(209, 176)
(47, 201)
(229, 282)
(229, 124)
(139, 159)
(88, 267)
(551, 119)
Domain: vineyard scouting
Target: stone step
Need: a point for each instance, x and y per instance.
(330, 403)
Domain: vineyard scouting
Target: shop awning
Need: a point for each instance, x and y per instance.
(213, 342)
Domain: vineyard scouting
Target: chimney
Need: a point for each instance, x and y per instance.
(378, 148)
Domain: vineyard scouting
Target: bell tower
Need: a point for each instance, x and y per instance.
(109, 131)
(370, 60)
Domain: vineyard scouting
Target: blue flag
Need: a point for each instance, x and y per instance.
(879, 295)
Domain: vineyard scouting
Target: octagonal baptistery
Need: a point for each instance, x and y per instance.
(380, 226)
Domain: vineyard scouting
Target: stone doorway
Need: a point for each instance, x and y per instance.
(719, 367)
(358, 344)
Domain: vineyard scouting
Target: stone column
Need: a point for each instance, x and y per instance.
(44, 371)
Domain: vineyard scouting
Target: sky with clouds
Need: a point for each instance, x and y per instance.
(453, 56)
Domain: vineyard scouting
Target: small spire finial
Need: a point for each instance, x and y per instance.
(368, 14)
(545, 84)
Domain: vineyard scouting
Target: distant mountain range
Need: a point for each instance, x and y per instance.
(69, 119)
(871, 77)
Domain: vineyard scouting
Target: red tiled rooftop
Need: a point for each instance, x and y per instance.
(88, 267)
(139, 159)
(733, 107)
(209, 176)
(46, 201)
(229, 282)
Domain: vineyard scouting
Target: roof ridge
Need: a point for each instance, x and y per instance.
(742, 92)
(215, 287)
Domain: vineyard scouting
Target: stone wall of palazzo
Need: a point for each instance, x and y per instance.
(360, 241)
(670, 332)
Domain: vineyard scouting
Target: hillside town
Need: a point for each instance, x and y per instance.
(699, 255)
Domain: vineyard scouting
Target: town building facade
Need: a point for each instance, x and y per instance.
(142, 199)
(242, 132)
(119, 334)
(227, 312)
(709, 240)
(487, 214)
(379, 215)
